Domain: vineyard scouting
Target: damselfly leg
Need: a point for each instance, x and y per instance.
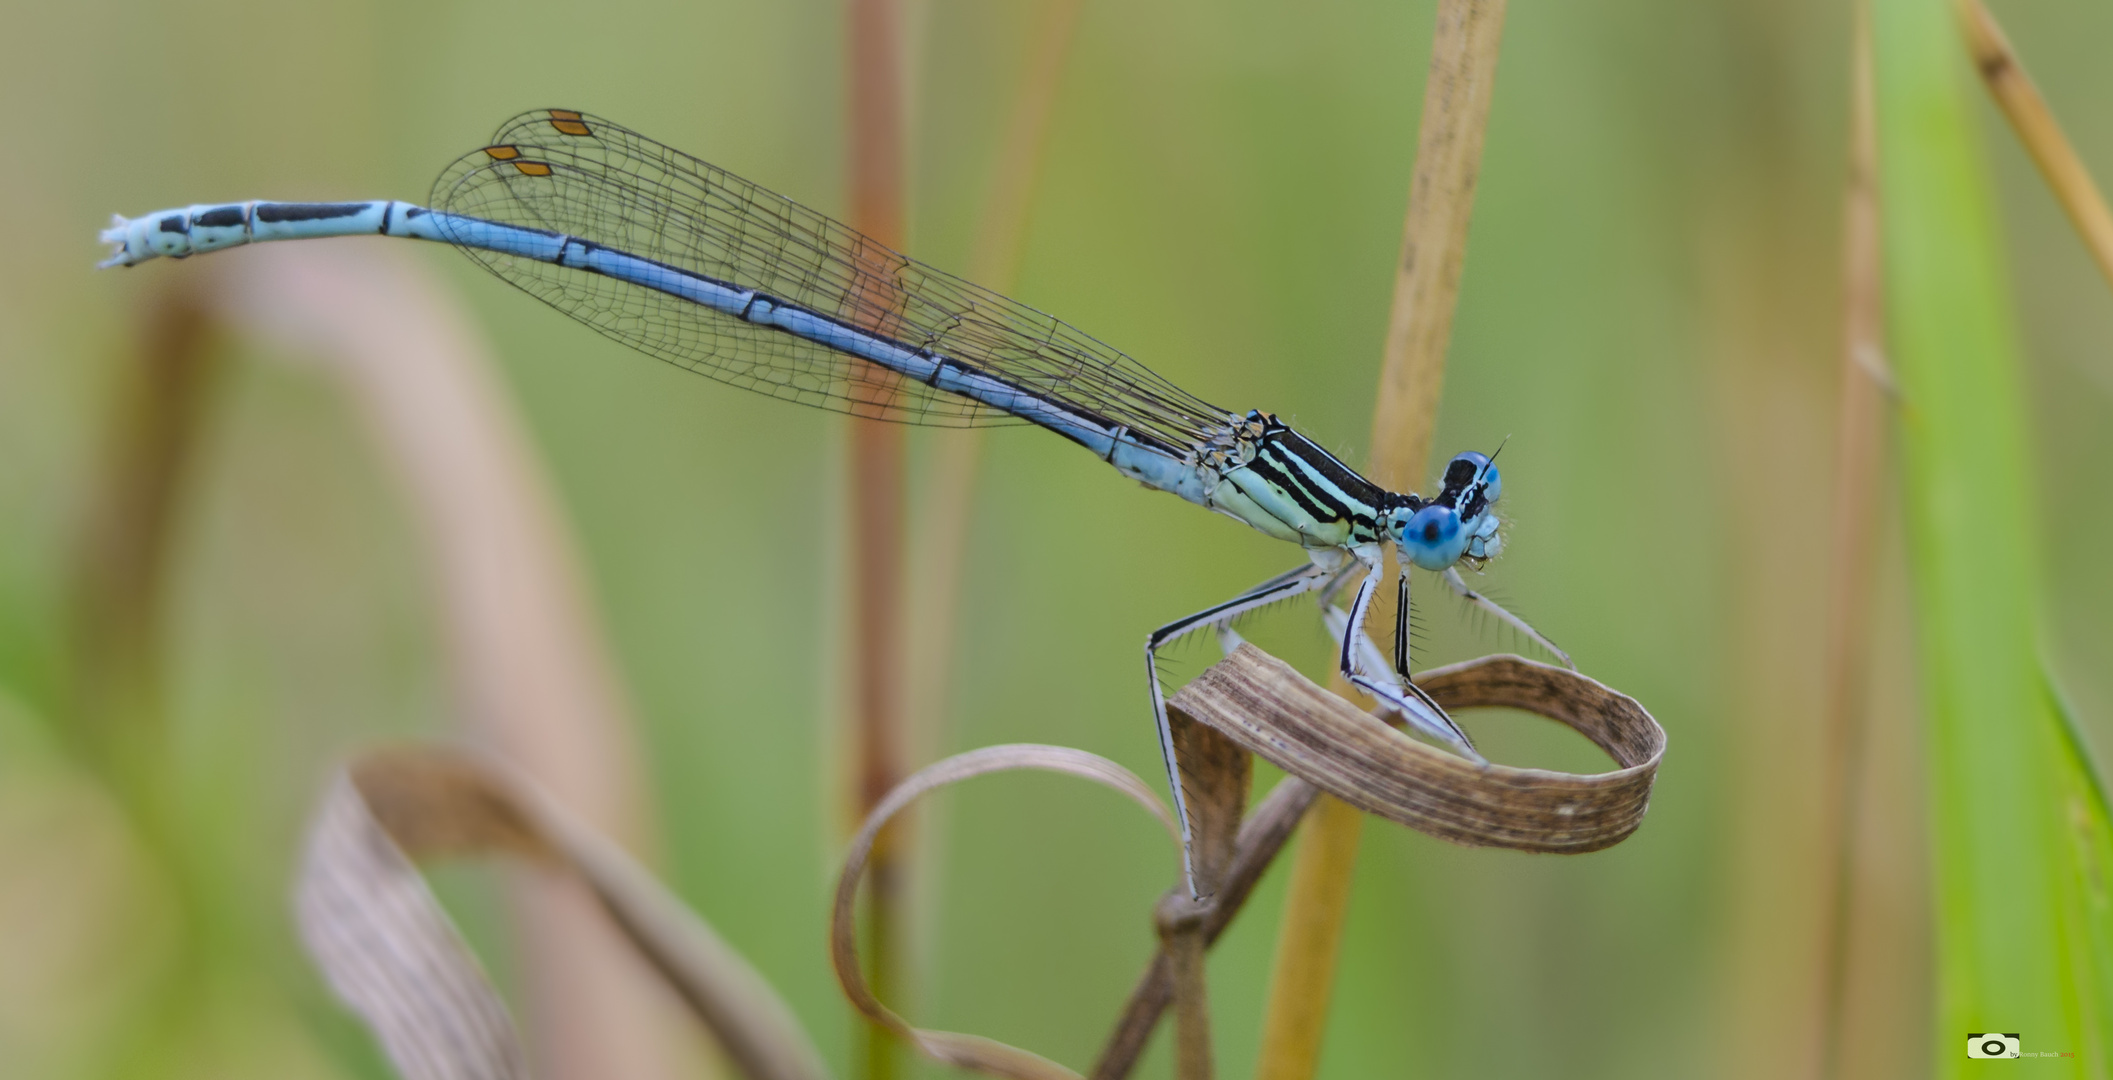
(1282, 587)
(1401, 624)
(1453, 578)
(1403, 697)
(1397, 692)
(1324, 590)
(1327, 573)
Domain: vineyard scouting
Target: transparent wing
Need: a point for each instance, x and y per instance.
(584, 176)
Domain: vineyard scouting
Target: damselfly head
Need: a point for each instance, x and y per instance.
(1471, 482)
(1432, 537)
(1459, 523)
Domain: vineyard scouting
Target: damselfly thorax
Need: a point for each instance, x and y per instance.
(1283, 484)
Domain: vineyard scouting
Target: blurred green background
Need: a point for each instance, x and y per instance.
(1649, 313)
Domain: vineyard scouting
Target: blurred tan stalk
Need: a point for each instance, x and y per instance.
(876, 479)
(1456, 101)
(162, 399)
(2035, 126)
(1859, 459)
(939, 554)
(529, 667)
(158, 418)
(941, 551)
(1770, 345)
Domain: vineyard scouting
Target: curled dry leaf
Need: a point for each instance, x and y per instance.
(1281, 716)
(1326, 744)
(963, 1051)
(386, 947)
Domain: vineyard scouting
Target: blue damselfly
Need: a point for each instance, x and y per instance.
(683, 261)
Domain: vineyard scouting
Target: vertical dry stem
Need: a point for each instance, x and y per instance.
(1261, 837)
(876, 478)
(2035, 125)
(1184, 940)
(1456, 97)
(1456, 102)
(1855, 529)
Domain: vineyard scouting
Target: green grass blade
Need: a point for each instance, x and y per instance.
(2087, 834)
(2020, 940)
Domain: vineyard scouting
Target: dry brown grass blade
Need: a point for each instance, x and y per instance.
(386, 947)
(1456, 97)
(962, 1051)
(1856, 507)
(530, 672)
(2036, 127)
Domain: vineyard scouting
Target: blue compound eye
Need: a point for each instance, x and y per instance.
(1433, 538)
(1468, 467)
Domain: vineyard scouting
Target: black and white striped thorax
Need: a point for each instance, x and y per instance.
(1300, 480)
